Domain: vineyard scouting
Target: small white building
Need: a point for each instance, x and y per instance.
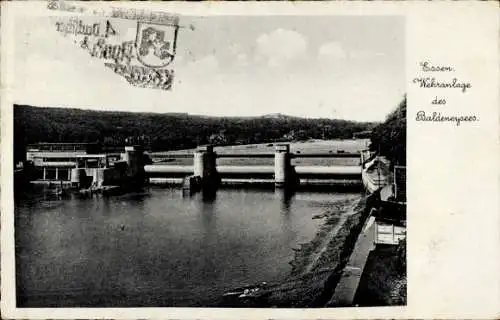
(67, 162)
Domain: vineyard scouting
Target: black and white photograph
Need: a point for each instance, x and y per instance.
(215, 161)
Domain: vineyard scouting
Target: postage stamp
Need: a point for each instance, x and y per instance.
(138, 47)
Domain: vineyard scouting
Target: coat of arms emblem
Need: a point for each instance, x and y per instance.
(156, 44)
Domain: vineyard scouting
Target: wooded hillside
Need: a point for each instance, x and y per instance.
(161, 132)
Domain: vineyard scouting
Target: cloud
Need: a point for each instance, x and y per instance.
(331, 51)
(237, 55)
(235, 48)
(203, 65)
(241, 60)
(366, 55)
(280, 46)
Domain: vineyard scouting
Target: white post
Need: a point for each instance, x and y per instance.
(205, 168)
(204, 162)
(75, 176)
(199, 163)
(44, 173)
(57, 173)
(281, 165)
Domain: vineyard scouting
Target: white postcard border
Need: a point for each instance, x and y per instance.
(452, 234)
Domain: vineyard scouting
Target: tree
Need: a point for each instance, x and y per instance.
(389, 138)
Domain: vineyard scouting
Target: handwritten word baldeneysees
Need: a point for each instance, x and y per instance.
(428, 82)
(437, 117)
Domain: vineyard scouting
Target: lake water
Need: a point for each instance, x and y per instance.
(157, 247)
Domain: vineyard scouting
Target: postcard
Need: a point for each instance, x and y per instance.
(251, 160)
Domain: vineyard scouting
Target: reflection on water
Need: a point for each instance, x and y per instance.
(158, 247)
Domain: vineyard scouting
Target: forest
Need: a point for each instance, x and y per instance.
(169, 131)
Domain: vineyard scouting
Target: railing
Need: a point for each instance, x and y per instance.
(389, 233)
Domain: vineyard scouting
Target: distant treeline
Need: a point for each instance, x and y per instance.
(161, 132)
(389, 137)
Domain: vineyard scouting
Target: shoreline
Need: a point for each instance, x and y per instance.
(317, 265)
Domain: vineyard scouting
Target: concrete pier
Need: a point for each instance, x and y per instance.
(282, 166)
(75, 177)
(204, 166)
(133, 156)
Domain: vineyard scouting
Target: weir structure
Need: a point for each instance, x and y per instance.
(205, 173)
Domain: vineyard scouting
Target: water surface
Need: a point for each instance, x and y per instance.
(157, 247)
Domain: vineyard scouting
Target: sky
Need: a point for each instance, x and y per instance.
(345, 67)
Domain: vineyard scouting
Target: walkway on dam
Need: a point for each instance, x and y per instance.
(348, 284)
